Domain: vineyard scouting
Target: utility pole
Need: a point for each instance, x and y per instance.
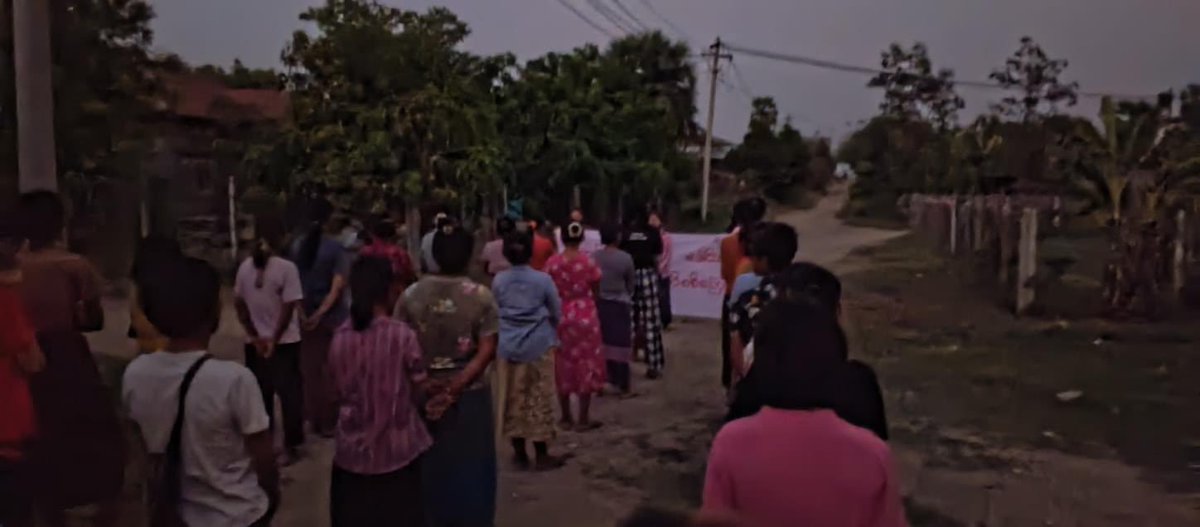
(715, 56)
(35, 96)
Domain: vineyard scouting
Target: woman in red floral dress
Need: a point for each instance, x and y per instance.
(579, 364)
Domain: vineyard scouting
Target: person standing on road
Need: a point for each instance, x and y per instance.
(202, 420)
(79, 458)
(529, 313)
(153, 253)
(774, 248)
(323, 265)
(383, 245)
(20, 358)
(664, 270)
(376, 366)
(428, 262)
(456, 322)
(746, 213)
(615, 307)
(644, 244)
(492, 255)
(579, 368)
(860, 401)
(795, 462)
(267, 293)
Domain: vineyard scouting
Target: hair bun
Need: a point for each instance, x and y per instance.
(575, 230)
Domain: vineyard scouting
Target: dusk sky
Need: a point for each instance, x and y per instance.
(1119, 46)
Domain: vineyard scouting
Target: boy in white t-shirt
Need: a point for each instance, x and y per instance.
(228, 473)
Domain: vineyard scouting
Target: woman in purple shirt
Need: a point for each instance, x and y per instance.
(376, 365)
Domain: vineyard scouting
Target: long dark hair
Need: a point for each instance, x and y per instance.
(370, 285)
(799, 355)
(318, 215)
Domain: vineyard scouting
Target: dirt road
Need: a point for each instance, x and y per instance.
(651, 449)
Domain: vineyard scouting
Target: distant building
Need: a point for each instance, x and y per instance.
(202, 124)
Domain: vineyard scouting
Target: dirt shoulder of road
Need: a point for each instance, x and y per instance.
(1011, 421)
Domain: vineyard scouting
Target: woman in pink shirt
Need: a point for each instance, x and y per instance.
(375, 363)
(795, 462)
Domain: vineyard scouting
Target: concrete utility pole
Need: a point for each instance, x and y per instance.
(35, 96)
(715, 56)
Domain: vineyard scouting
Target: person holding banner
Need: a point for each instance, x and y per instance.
(664, 271)
(644, 244)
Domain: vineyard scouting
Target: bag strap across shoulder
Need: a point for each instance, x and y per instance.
(174, 452)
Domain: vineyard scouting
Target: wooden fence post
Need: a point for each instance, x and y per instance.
(1177, 259)
(978, 216)
(954, 224)
(1027, 260)
(1004, 233)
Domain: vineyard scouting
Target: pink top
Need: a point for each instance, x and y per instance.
(374, 373)
(783, 468)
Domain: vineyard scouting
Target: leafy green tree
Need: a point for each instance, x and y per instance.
(1034, 78)
(771, 157)
(913, 91)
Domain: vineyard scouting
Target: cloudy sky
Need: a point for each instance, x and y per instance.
(1117, 46)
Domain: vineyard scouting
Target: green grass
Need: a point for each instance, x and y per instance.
(950, 357)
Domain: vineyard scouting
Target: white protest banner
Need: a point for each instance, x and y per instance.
(697, 288)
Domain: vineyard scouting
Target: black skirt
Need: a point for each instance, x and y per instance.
(378, 500)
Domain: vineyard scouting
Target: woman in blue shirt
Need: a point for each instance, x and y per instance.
(530, 311)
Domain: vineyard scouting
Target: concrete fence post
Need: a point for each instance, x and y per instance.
(1004, 233)
(1027, 260)
(1178, 276)
(954, 224)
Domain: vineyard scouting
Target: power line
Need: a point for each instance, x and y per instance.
(611, 16)
(657, 14)
(628, 13)
(741, 80)
(850, 68)
(590, 22)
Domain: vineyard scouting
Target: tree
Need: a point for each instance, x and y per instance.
(1140, 165)
(1034, 77)
(105, 88)
(773, 158)
(911, 89)
(607, 122)
(415, 118)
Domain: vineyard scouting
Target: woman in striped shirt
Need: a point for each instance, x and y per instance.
(376, 365)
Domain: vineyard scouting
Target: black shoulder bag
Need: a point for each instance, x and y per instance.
(166, 484)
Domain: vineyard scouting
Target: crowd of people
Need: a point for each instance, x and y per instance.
(414, 374)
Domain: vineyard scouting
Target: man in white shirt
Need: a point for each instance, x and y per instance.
(229, 477)
(267, 292)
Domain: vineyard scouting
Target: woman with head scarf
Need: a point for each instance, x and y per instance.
(796, 462)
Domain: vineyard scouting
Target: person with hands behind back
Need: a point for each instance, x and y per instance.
(267, 292)
(457, 323)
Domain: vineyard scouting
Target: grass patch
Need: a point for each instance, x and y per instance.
(951, 358)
